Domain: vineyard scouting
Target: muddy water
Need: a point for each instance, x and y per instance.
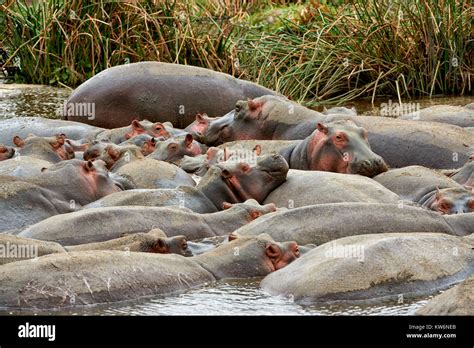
(224, 298)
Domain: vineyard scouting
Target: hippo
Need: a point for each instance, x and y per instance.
(174, 149)
(148, 173)
(340, 147)
(92, 277)
(456, 115)
(374, 267)
(140, 242)
(465, 175)
(23, 166)
(116, 156)
(145, 142)
(200, 124)
(459, 300)
(44, 127)
(20, 248)
(154, 91)
(113, 222)
(134, 128)
(25, 201)
(274, 118)
(233, 182)
(51, 149)
(200, 164)
(321, 223)
(428, 188)
(6, 152)
(316, 187)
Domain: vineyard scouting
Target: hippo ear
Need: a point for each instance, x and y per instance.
(270, 207)
(226, 205)
(253, 105)
(226, 174)
(113, 153)
(322, 128)
(188, 140)
(233, 236)
(136, 124)
(257, 149)
(272, 250)
(245, 167)
(255, 214)
(19, 142)
(161, 246)
(89, 166)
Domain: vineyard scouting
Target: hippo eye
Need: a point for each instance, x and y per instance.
(339, 137)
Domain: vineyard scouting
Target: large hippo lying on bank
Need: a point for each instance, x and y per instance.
(158, 92)
(428, 188)
(92, 277)
(25, 201)
(399, 142)
(226, 182)
(44, 127)
(316, 187)
(100, 224)
(376, 266)
(321, 223)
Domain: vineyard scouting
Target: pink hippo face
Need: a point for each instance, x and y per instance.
(343, 147)
(154, 129)
(453, 201)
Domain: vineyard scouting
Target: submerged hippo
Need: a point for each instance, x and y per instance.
(113, 222)
(20, 248)
(322, 223)
(233, 182)
(375, 266)
(51, 149)
(459, 300)
(465, 175)
(340, 147)
(44, 127)
(154, 91)
(25, 201)
(399, 142)
(428, 188)
(92, 277)
(457, 115)
(315, 187)
(6, 152)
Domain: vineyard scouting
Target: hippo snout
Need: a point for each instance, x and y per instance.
(368, 167)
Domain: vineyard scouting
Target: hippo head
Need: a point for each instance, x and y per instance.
(174, 149)
(452, 200)
(199, 126)
(95, 149)
(235, 182)
(147, 143)
(248, 256)
(172, 245)
(252, 208)
(465, 175)
(342, 147)
(115, 156)
(154, 129)
(52, 149)
(6, 152)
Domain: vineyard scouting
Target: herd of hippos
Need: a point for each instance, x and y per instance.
(183, 176)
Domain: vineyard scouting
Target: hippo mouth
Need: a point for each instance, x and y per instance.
(236, 191)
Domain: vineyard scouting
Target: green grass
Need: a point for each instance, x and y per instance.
(311, 51)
